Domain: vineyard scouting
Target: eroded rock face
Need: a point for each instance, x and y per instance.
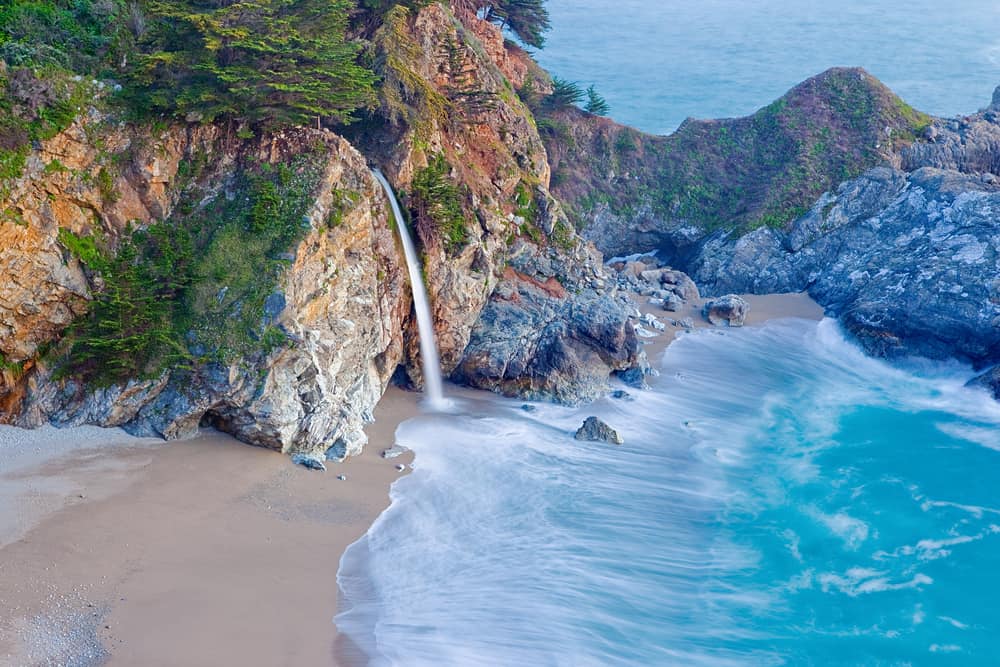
(533, 271)
(538, 340)
(909, 262)
(342, 302)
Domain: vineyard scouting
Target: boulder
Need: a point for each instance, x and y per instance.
(595, 430)
(730, 310)
(307, 461)
(672, 303)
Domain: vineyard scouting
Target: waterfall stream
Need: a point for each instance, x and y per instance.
(428, 344)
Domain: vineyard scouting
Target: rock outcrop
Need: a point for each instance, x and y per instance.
(595, 430)
(906, 254)
(537, 340)
(632, 192)
(342, 301)
(521, 263)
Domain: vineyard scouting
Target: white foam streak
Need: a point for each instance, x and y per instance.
(513, 544)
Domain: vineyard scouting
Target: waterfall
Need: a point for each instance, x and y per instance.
(428, 344)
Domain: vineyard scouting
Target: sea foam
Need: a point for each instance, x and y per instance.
(781, 499)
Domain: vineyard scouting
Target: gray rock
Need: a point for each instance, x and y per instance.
(400, 467)
(548, 343)
(634, 377)
(595, 430)
(673, 303)
(274, 304)
(650, 320)
(308, 461)
(527, 407)
(342, 478)
(621, 395)
(337, 452)
(730, 310)
(687, 323)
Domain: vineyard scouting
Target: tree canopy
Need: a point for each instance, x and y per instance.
(596, 104)
(528, 19)
(274, 61)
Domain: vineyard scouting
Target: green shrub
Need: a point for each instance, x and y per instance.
(194, 287)
(437, 199)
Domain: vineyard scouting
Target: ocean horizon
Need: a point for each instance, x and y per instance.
(659, 63)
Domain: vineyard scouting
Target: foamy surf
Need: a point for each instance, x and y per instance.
(781, 499)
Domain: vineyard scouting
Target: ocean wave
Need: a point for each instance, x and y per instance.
(769, 471)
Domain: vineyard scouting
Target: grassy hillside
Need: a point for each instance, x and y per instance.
(743, 173)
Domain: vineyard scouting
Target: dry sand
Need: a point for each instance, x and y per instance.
(205, 552)
(202, 552)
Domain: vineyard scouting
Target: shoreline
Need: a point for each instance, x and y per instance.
(206, 551)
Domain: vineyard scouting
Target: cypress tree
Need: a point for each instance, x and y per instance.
(596, 104)
(528, 19)
(268, 61)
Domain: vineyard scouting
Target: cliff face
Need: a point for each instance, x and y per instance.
(889, 215)
(341, 301)
(449, 100)
(290, 344)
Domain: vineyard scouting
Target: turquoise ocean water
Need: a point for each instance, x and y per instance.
(660, 62)
(780, 499)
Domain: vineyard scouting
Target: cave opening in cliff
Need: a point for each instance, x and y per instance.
(216, 420)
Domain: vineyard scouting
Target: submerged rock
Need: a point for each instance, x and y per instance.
(990, 381)
(730, 310)
(307, 461)
(393, 452)
(595, 430)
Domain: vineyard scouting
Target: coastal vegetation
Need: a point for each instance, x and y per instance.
(193, 288)
(763, 170)
(438, 201)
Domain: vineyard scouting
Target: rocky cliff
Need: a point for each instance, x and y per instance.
(888, 217)
(287, 308)
(341, 299)
(455, 120)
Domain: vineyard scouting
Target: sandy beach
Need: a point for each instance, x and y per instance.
(120, 551)
(200, 552)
